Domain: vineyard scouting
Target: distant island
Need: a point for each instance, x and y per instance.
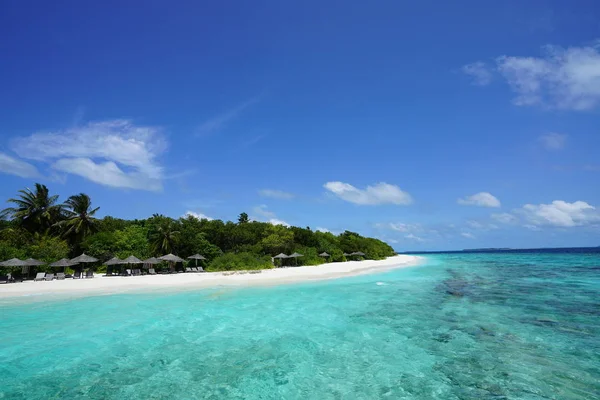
(489, 249)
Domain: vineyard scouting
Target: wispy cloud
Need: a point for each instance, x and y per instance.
(196, 215)
(479, 72)
(220, 121)
(114, 153)
(262, 213)
(276, 194)
(553, 141)
(380, 193)
(481, 199)
(468, 235)
(13, 166)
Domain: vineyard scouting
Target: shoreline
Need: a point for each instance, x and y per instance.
(108, 285)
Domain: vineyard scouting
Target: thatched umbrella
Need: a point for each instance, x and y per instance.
(132, 260)
(281, 256)
(31, 262)
(84, 259)
(151, 261)
(171, 258)
(197, 257)
(113, 261)
(295, 256)
(325, 255)
(358, 253)
(13, 262)
(63, 262)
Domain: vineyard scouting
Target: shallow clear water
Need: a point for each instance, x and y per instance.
(479, 326)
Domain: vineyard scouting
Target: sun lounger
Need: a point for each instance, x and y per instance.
(137, 272)
(40, 276)
(151, 271)
(89, 274)
(188, 269)
(200, 269)
(194, 269)
(127, 272)
(4, 279)
(60, 276)
(49, 277)
(77, 275)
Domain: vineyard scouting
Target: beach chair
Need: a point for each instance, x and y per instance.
(40, 276)
(4, 279)
(89, 274)
(127, 272)
(188, 269)
(200, 269)
(49, 277)
(151, 271)
(137, 272)
(60, 276)
(194, 269)
(77, 275)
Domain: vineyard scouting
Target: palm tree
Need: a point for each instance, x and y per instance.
(34, 210)
(163, 236)
(80, 221)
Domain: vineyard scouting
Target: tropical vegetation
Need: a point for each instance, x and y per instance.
(37, 225)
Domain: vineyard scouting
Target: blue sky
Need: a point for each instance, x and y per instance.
(432, 125)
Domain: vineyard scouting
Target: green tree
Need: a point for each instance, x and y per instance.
(36, 211)
(163, 234)
(279, 239)
(48, 249)
(243, 218)
(79, 220)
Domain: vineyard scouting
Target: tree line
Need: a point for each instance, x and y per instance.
(37, 225)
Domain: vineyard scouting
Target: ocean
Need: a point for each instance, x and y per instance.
(460, 326)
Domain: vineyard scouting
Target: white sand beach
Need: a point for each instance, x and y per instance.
(117, 284)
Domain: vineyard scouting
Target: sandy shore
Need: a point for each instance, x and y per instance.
(118, 284)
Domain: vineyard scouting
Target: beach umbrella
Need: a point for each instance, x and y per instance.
(132, 260)
(197, 257)
(171, 258)
(281, 256)
(31, 262)
(358, 253)
(324, 254)
(151, 261)
(113, 261)
(295, 256)
(84, 258)
(64, 262)
(13, 262)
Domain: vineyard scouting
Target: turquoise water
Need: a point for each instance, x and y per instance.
(489, 326)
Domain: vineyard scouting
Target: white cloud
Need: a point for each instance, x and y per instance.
(380, 193)
(400, 227)
(414, 237)
(263, 214)
(561, 214)
(532, 227)
(114, 153)
(276, 194)
(467, 235)
(482, 199)
(262, 211)
(563, 78)
(480, 73)
(481, 226)
(218, 122)
(13, 166)
(196, 215)
(553, 141)
(505, 218)
(275, 221)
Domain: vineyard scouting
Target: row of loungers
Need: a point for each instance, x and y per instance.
(42, 276)
(152, 271)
